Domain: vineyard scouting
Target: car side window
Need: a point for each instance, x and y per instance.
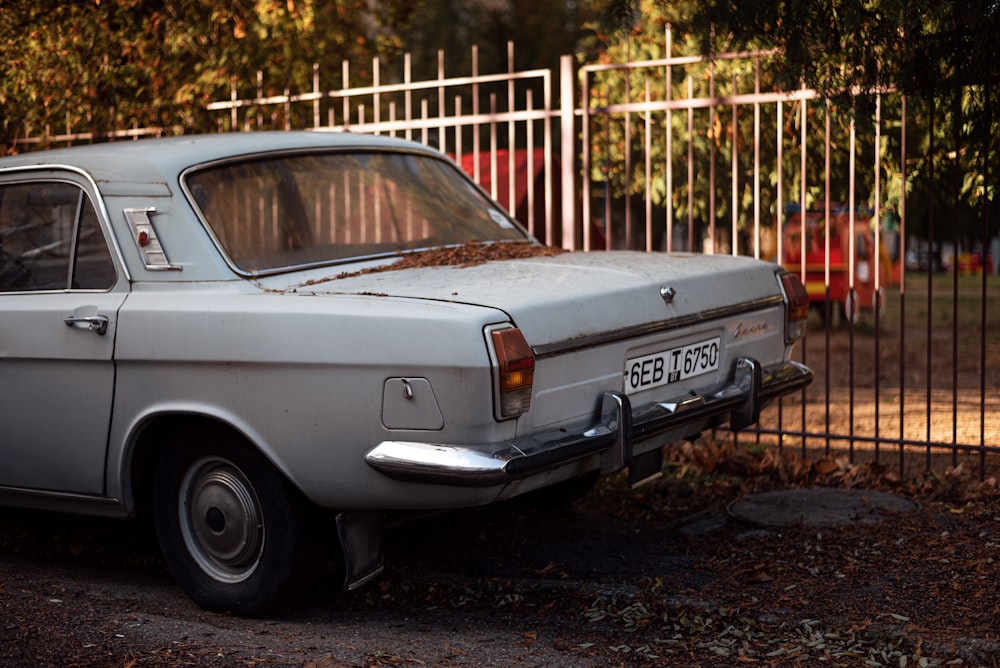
(50, 239)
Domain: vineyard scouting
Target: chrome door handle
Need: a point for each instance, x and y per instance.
(95, 323)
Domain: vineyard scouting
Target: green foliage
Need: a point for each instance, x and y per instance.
(100, 65)
(938, 56)
(915, 45)
(542, 30)
(944, 56)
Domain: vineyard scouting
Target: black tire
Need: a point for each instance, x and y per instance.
(234, 532)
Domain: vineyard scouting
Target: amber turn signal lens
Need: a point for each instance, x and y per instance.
(516, 369)
(797, 305)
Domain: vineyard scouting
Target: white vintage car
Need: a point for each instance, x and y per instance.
(268, 339)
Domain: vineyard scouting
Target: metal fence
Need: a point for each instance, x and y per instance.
(689, 153)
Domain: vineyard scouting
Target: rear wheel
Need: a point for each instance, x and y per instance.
(233, 530)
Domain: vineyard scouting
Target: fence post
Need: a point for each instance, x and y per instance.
(567, 129)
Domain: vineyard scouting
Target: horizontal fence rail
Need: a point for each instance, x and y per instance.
(687, 153)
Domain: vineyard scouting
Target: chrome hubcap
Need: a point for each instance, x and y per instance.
(221, 520)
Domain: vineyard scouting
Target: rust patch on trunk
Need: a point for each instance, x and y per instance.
(466, 255)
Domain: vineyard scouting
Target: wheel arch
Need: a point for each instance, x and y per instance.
(235, 532)
(154, 433)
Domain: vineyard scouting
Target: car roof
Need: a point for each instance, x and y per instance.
(161, 160)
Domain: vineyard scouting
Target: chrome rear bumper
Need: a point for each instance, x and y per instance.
(611, 435)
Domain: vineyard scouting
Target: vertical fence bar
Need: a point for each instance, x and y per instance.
(956, 122)
(288, 108)
(802, 236)
(529, 140)
(376, 95)
(475, 112)
(779, 233)
(567, 135)
(734, 246)
(549, 160)
(627, 142)
(458, 128)
(878, 297)
(984, 209)
(260, 94)
(587, 151)
(424, 115)
(346, 104)
(408, 94)
(315, 90)
(648, 136)
(442, 110)
(931, 258)
(511, 142)
(902, 287)
(669, 185)
(711, 159)
(607, 177)
(826, 269)
(494, 186)
(233, 96)
(853, 299)
(779, 146)
(690, 134)
(756, 160)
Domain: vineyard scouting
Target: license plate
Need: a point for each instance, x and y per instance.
(671, 366)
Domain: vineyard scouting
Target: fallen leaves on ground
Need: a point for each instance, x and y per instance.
(656, 576)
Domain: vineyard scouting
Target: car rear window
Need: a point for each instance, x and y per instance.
(275, 213)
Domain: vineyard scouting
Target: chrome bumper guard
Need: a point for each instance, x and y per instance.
(738, 401)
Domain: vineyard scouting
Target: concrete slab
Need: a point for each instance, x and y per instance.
(820, 506)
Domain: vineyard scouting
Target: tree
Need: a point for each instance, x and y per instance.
(944, 59)
(831, 45)
(542, 30)
(100, 65)
(945, 56)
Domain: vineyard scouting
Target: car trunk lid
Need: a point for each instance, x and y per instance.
(564, 300)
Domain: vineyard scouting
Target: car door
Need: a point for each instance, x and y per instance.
(59, 297)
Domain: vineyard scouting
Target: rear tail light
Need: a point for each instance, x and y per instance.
(516, 371)
(797, 307)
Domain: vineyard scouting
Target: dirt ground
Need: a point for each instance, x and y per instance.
(660, 576)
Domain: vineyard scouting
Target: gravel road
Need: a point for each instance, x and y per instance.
(661, 576)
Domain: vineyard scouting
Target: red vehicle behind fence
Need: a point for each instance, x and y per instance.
(868, 289)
